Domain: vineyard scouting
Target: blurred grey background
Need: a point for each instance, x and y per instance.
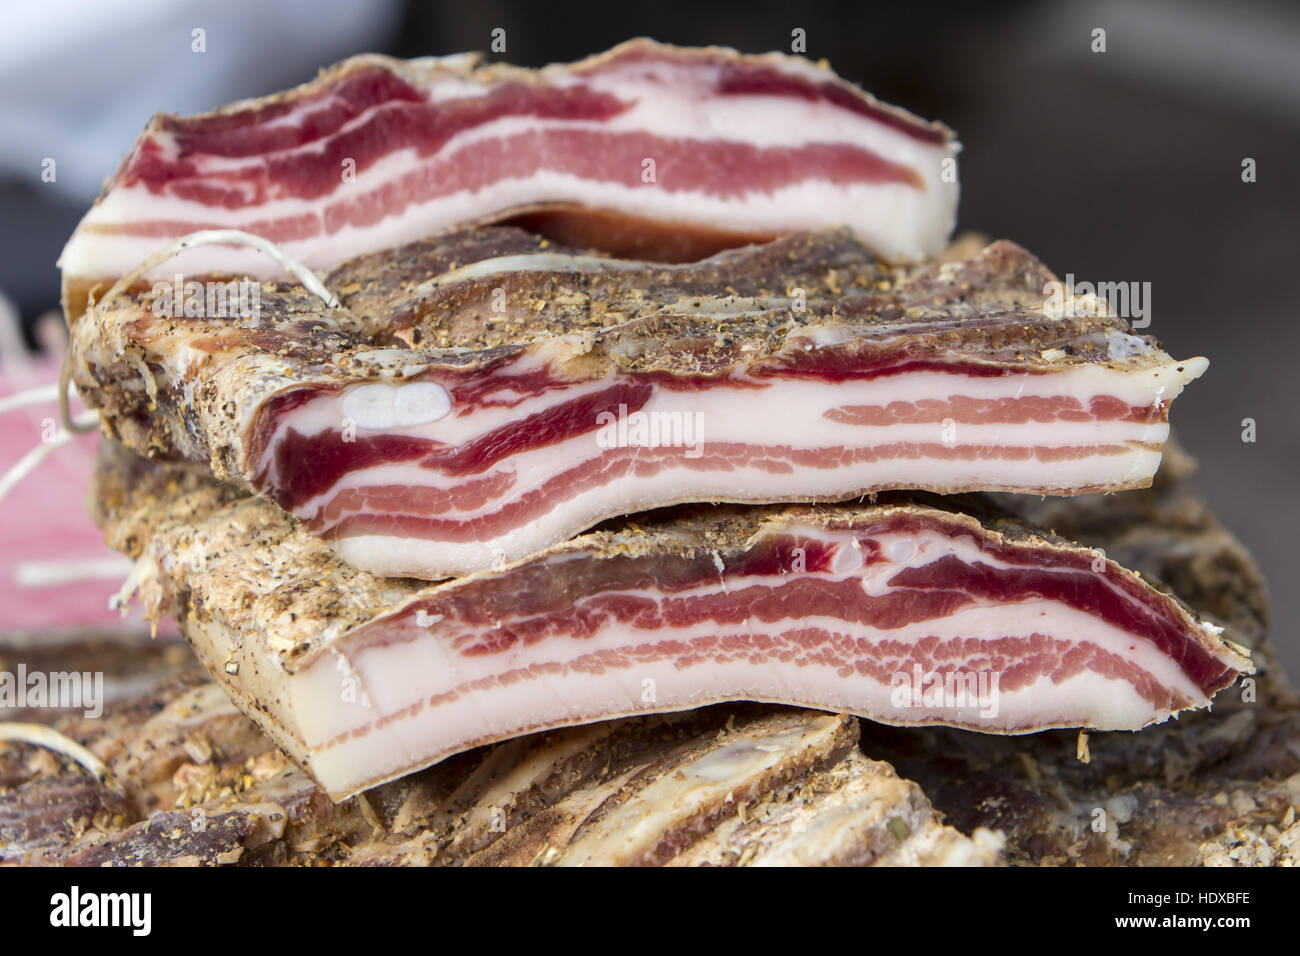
(1116, 165)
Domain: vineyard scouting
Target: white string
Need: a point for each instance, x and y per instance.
(48, 737)
(238, 237)
(70, 424)
(27, 464)
(32, 396)
(310, 281)
(44, 574)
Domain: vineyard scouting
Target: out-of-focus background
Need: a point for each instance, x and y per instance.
(1117, 165)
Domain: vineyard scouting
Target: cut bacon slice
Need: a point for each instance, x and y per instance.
(706, 147)
(904, 613)
(450, 418)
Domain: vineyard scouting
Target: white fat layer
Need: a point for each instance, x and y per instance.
(381, 407)
(389, 555)
(495, 711)
(401, 675)
(433, 733)
(784, 413)
(794, 412)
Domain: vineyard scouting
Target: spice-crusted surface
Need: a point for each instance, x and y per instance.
(249, 562)
(731, 308)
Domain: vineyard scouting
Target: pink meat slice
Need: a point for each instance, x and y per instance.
(669, 142)
(55, 572)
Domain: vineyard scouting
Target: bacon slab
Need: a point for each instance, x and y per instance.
(904, 613)
(485, 394)
(650, 146)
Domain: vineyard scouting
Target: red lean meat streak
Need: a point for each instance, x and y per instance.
(736, 80)
(402, 117)
(405, 120)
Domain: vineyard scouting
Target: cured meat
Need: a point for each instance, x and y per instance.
(652, 147)
(1214, 787)
(904, 613)
(483, 395)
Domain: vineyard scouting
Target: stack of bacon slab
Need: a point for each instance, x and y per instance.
(553, 299)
